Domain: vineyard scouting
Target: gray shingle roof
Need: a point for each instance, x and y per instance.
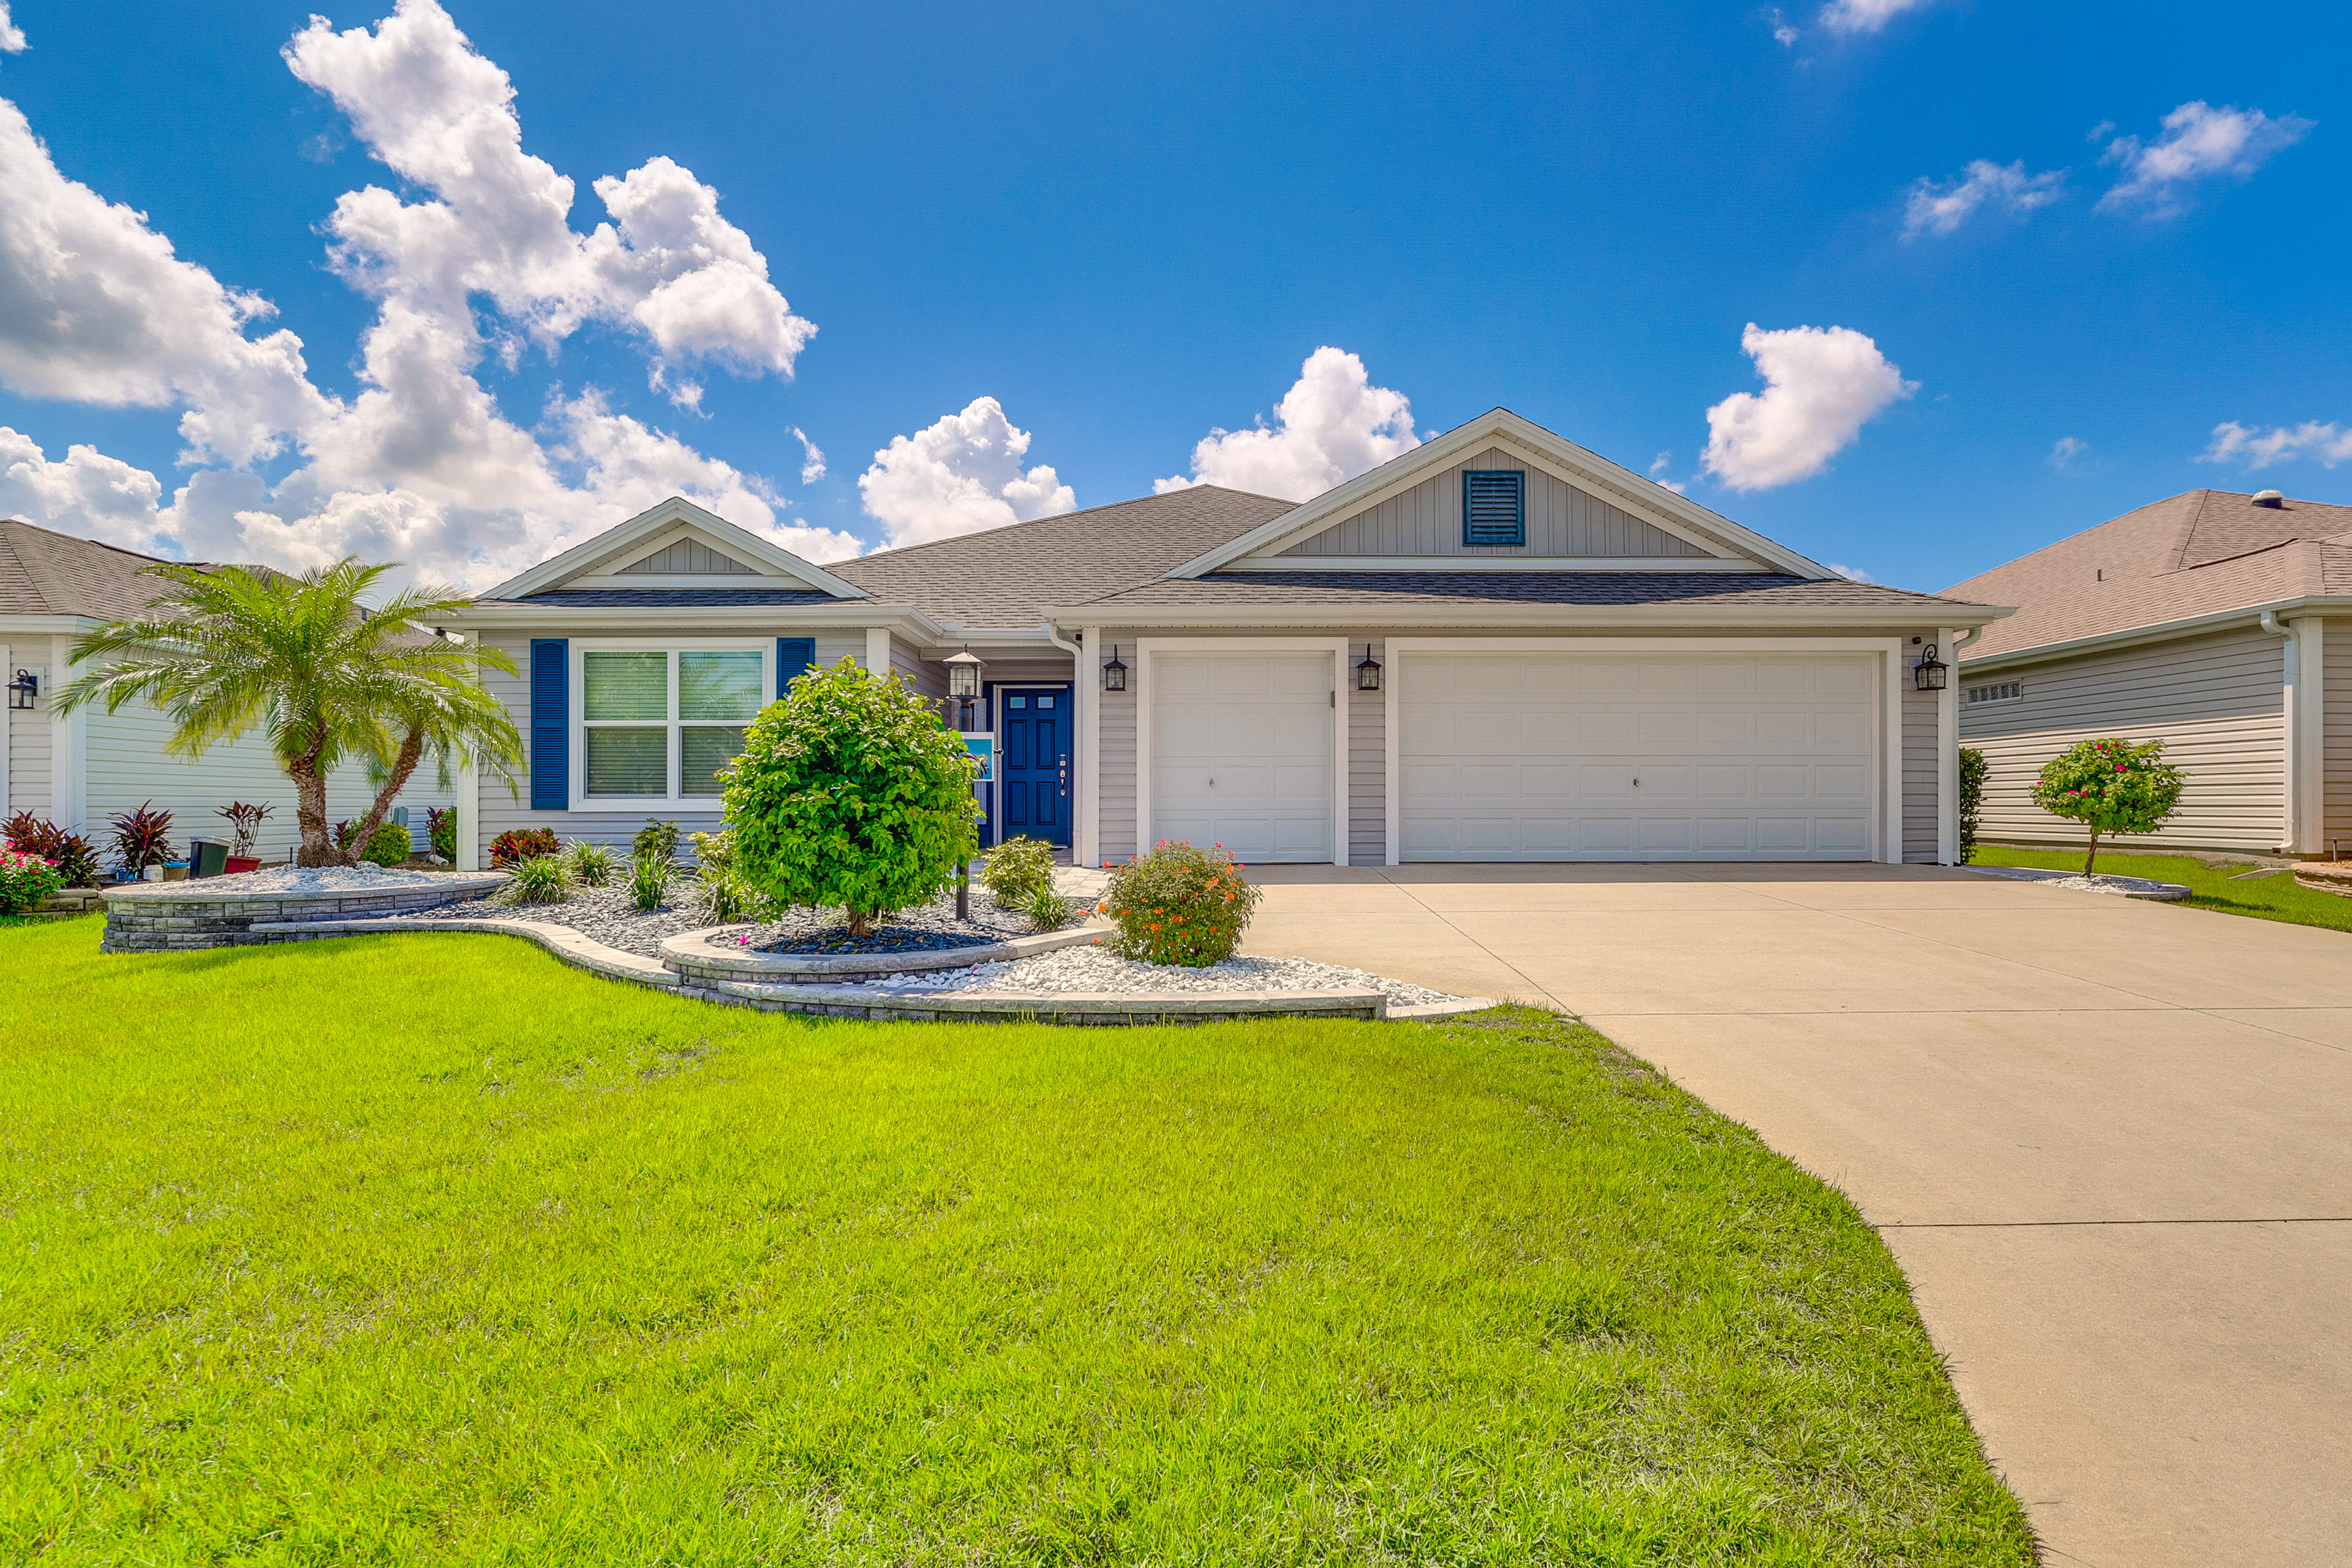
(599, 598)
(1374, 589)
(44, 573)
(1007, 576)
(2198, 554)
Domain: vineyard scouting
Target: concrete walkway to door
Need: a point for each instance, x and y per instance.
(2110, 1143)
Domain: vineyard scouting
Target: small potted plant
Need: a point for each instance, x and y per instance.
(142, 842)
(244, 828)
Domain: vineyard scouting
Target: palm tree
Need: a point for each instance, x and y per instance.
(328, 678)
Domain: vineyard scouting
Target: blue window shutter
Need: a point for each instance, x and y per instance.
(794, 655)
(551, 724)
(1493, 506)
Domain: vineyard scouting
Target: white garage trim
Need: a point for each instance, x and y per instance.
(1145, 757)
(1888, 832)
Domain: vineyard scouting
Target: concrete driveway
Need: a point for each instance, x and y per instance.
(2106, 1140)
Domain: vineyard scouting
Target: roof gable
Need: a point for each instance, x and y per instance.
(1590, 504)
(676, 544)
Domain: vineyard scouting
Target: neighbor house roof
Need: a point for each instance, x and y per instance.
(44, 573)
(1006, 576)
(2199, 553)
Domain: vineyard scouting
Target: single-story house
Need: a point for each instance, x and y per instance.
(1496, 647)
(2217, 622)
(80, 770)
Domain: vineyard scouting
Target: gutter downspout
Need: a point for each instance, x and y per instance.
(1084, 749)
(2293, 746)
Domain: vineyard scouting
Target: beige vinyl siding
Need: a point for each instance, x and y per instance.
(1427, 521)
(1115, 792)
(28, 758)
(1367, 760)
(2216, 700)
(503, 809)
(1920, 839)
(2336, 658)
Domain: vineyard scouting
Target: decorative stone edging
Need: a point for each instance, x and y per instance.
(156, 917)
(695, 954)
(845, 1001)
(2126, 887)
(2325, 877)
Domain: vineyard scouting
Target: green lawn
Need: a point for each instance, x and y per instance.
(2209, 884)
(425, 1249)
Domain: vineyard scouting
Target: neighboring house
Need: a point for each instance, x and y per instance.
(2218, 623)
(82, 769)
(1498, 646)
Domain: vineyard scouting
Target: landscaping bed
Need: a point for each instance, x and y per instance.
(1098, 971)
(2236, 888)
(428, 1250)
(606, 915)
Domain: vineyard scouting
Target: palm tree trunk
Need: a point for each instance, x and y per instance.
(311, 812)
(412, 750)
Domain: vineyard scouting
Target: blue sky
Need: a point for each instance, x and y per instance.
(1129, 228)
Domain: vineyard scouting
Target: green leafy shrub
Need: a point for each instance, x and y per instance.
(389, 845)
(2110, 786)
(1972, 778)
(849, 791)
(72, 854)
(1180, 905)
(1017, 870)
(25, 880)
(723, 898)
(648, 880)
(715, 849)
(657, 838)
(520, 844)
(540, 880)
(591, 864)
(441, 828)
(1048, 910)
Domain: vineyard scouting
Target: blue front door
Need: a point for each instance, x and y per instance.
(1033, 762)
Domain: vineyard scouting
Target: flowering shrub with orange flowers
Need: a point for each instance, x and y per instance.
(1180, 905)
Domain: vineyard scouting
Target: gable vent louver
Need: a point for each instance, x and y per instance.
(1493, 506)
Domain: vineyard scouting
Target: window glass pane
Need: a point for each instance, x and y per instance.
(628, 762)
(1020, 702)
(702, 754)
(625, 685)
(717, 685)
(1044, 701)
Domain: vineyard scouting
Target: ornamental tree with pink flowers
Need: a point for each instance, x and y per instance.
(2111, 786)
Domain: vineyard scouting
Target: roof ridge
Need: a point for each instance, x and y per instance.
(901, 551)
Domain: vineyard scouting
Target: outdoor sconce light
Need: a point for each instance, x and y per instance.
(24, 690)
(1928, 675)
(1367, 674)
(963, 676)
(1114, 673)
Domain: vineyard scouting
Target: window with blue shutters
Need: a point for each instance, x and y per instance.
(1493, 506)
(793, 656)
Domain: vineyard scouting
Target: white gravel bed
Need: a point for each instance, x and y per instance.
(605, 914)
(1093, 969)
(2118, 887)
(367, 877)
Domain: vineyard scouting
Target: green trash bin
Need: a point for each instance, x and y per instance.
(207, 857)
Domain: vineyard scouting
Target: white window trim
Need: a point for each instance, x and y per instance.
(1886, 713)
(1146, 647)
(646, 804)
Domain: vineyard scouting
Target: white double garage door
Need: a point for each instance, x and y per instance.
(1530, 755)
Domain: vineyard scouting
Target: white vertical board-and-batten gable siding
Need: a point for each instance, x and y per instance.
(503, 810)
(2216, 702)
(1427, 521)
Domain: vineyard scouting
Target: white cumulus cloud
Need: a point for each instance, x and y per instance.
(1332, 424)
(12, 37)
(1934, 208)
(1863, 15)
(2199, 142)
(960, 475)
(1822, 385)
(421, 466)
(2329, 444)
(812, 458)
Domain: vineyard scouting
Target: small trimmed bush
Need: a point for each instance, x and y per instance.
(648, 880)
(389, 846)
(591, 864)
(1972, 780)
(25, 880)
(850, 792)
(1017, 870)
(441, 828)
(520, 844)
(657, 839)
(1179, 904)
(541, 880)
(2110, 786)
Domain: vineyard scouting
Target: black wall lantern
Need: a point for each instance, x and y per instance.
(1928, 674)
(1114, 673)
(1367, 674)
(24, 690)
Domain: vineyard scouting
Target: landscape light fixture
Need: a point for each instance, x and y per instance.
(1928, 674)
(1114, 673)
(24, 690)
(963, 676)
(1367, 674)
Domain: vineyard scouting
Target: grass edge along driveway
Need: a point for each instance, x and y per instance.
(425, 1249)
(2211, 885)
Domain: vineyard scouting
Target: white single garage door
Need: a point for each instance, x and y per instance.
(1637, 757)
(1240, 753)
